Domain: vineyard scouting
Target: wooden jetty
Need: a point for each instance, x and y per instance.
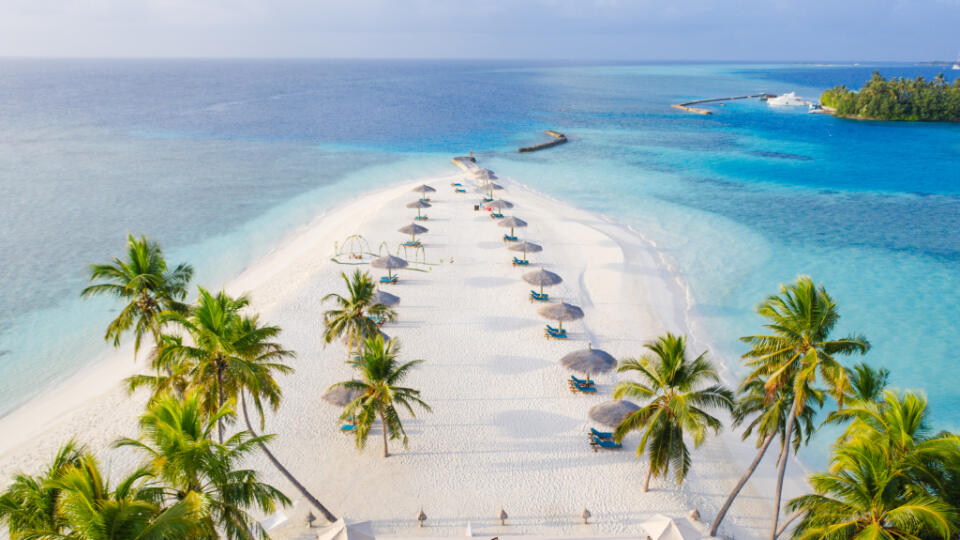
(558, 138)
(467, 163)
(686, 106)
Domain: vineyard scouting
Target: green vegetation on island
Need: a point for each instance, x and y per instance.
(911, 100)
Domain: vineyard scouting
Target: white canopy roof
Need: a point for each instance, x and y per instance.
(347, 530)
(660, 527)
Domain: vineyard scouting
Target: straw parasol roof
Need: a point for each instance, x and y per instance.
(423, 189)
(589, 361)
(385, 298)
(543, 278)
(660, 527)
(561, 311)
(512, 222)
(340, 396)
(389, 262)
(418, 204)
(611, 413)
(485, 173)
(488, 186)
(413, 229)
(499, 204)
(526, 247)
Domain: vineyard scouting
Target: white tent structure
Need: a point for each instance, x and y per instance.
(660, 527)
(347, 530)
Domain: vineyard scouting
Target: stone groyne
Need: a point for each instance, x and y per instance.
(558, 138)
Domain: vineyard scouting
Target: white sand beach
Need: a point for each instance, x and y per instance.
(505, 432)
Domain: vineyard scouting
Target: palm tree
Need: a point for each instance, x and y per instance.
(232, 355)
(867, 383)
(674, 386)
(798, 352)
(176, 439)
(145, 283)
(351, 319)
(767, 415)
(869, 493)
(379, 393)
(133, 510)
(29, 504)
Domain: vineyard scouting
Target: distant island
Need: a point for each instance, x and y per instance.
(910, 100)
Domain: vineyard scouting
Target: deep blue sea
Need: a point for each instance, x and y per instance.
(218, 160)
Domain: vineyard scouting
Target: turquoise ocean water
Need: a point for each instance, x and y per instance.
(220, 159)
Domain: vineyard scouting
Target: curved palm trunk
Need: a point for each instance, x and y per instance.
(783, 469)
(383, 426)
(283, 470)
(743, 481)
(788, 521)
(646, 482)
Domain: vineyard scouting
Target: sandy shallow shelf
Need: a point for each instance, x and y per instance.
(505, 431)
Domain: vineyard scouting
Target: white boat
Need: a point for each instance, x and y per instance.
(956, 65)
(789, 99)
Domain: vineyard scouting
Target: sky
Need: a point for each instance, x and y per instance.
(899, 30)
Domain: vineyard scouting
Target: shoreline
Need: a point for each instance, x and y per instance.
(623, 280)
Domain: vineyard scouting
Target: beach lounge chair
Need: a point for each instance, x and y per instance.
(424, 199)
(456, 184)
(388, 279)
(420, 218)
(597, 444)
(554, 333)
(581, 381)
(496, 215)
(460, 190)
(600, 434)
(577, 387)
(378, 320)
(508, 238)
(487, 199)
(412, 243)
(534, 295)
(348, 428)
(520, 262)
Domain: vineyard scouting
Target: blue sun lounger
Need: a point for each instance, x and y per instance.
(348, 428)
(577, 387)
(456, 184)
(424, 199)
(555, 333)
(600, 434)
(487, 199)
(420, 218)
(581, 381)
(388, 279)
(540, 298)
(520, 262)
(412, 243)
(597, 444)
(496, 215)
(460, 190)
(508, 238)
(378, 320)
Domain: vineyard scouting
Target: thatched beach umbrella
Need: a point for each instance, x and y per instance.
(390, 263)
(525, 247)
(543, 278)
(512, 222)
(611, 413)
(589, 361)
(485, 174)
(418, 204)
(340, 396)
(385, 298)
(490, 187)
(423, 189)
(560, 312)
(499, 204)
(413, 230)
